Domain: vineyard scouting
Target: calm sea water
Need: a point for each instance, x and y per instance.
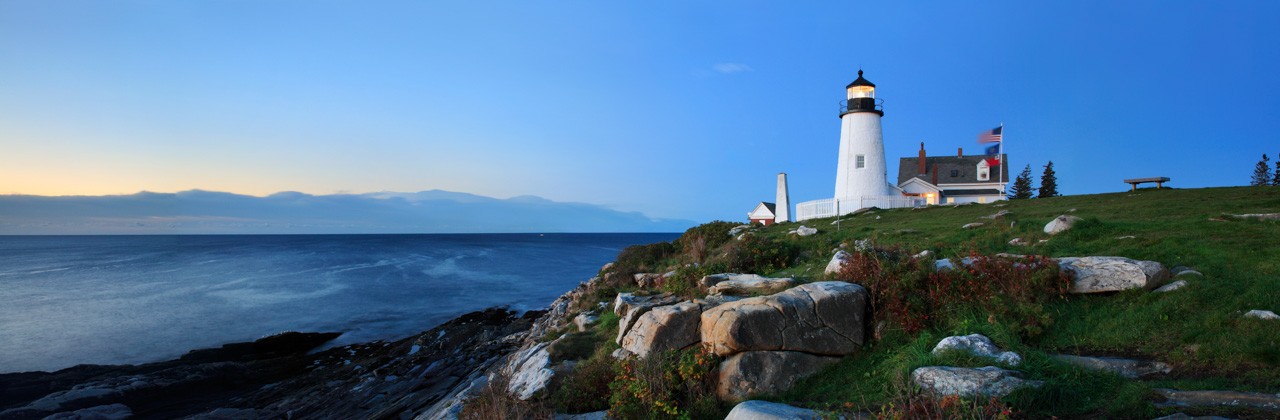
(67, 300)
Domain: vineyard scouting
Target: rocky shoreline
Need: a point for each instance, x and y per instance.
(277, 377)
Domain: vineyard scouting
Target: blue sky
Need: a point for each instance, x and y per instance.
(675, 109)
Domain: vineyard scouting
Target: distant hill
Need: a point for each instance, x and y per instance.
(211, 212)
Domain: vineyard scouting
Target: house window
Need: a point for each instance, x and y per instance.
(955, 173)
(984, 173)
(861, 161)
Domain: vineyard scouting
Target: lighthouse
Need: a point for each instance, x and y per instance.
(860, 175)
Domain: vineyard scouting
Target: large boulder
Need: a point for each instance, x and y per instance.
(706, 282)
(752, 286)
(989, 381)
(1171, 286)
(753, 373)
(670, 327)
(625, 302)
(1258, 400)
(947, 264)
(1112, 274)
(630, 307)
(823, 318)
(1128, 368)
(764, 410)
(1259, 216)
(837, 262)
(978, 345)
(584, 320)
(1060, 224)
(804, 231)
(1261, 314)
(530, 371)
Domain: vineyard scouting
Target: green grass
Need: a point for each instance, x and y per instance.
(1198, 329)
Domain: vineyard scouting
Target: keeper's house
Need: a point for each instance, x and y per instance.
(954, 179)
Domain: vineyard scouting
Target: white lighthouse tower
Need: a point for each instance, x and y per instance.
(860, 176)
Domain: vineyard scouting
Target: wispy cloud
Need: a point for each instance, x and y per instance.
(730, 68)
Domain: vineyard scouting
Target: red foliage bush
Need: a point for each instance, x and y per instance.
(907, 292)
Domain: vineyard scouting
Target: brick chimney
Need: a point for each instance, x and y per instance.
(922, 167)
(960, 151)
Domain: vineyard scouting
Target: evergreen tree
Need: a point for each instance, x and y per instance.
(1021, 185)
(1275, 179)
(1048, 182)
(1262, 172)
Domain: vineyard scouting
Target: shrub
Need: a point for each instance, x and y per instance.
(757, 254)
(574, 346)
(696, 242)
(671, 384)
(908, 294)
(643, 258)
(586, 388)
(685, 281)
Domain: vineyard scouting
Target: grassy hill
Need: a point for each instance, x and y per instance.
(1198, 330)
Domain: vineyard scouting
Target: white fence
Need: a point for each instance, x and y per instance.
(815, 209)
(831, 207)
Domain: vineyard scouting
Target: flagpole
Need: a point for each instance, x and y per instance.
(1000, 155)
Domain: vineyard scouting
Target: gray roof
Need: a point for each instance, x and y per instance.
(966, 169)
(772, 208)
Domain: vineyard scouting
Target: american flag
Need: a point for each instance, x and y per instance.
(991, 136)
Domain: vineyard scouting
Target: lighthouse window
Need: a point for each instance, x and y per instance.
(861, 161)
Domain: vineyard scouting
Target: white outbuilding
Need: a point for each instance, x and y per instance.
(764, 214)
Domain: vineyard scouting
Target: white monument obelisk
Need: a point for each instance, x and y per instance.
(782, 207)
(861, 171)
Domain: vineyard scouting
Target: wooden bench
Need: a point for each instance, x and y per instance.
(1159, 180)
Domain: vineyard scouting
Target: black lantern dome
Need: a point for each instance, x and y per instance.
(861, 96)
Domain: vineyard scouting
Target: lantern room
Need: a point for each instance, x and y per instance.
(861, 88)
(860, 97)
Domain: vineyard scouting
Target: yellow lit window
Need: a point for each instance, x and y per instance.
(862, 92)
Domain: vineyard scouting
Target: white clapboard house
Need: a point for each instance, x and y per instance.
(954, 179)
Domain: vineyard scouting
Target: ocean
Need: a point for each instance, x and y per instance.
(68, 300)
